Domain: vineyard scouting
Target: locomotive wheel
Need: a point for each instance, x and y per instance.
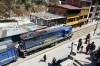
(24, 54)
(56, 43)
(52, 44)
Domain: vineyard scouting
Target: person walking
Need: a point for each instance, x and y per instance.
(79, 44)
(44, 57)
(87, 48)
(81, 51)
(54, 61)
(87, 39)
(92, 47)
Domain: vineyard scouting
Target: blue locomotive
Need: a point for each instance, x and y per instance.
(8, 51)
(12, 46)
(43, 37)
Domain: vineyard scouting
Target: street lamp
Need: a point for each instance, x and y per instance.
(96, 25)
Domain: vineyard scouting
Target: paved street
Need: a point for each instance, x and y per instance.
(60, 52)
(63, 51)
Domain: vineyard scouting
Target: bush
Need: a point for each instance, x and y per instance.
(28, 5)
(38, 1)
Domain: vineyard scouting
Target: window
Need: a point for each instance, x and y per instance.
(81, 17)
(73, 19)
(1, 40)
(96, 14)
(86, 3)
(87, 10)
(91, 9)
(77, 18)
(85, 16)
(90, 15)
(93, 2)
(99, 2)
(3, 54)
(50, 34)
(70, 20)
(83, 10)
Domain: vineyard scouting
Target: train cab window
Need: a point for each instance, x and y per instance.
(37, 40)
(6, 39)
(1, 40)
(59, 34)
(40, 40)
(50, 34)
(67, 32)
(3, 54)
(22, 42)
(21, 47)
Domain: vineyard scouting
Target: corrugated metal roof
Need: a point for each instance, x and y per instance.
(47, 15)
(22, 30)
(87, 0)
(19, 30)
(3, 47)
(0, 33)
(32, 28)
(15, 31)
(4, 33)
(69, 7)
(47, 30)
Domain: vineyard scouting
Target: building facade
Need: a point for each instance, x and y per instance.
(85, 4)
(94, 10)
(76, 11)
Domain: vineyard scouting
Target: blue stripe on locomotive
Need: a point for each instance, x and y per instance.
(49, 36)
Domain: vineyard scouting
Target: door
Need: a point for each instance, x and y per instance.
(11, 54)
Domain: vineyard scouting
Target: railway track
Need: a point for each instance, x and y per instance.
(76, 34)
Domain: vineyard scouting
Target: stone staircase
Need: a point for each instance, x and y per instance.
(77, 63)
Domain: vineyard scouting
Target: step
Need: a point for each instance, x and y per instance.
(76, 64)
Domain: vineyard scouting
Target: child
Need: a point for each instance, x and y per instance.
(81, 49)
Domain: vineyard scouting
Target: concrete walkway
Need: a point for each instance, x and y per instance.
(87, 60)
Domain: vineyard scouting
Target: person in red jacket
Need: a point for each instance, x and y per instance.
(88, 48)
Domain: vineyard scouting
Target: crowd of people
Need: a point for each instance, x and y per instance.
(89, 48)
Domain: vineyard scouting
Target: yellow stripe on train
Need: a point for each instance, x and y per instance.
(7, 59)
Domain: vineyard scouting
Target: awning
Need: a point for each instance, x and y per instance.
(69, 7)
(72, 16)
(72, 23)
(47, 16)
(75, 22)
